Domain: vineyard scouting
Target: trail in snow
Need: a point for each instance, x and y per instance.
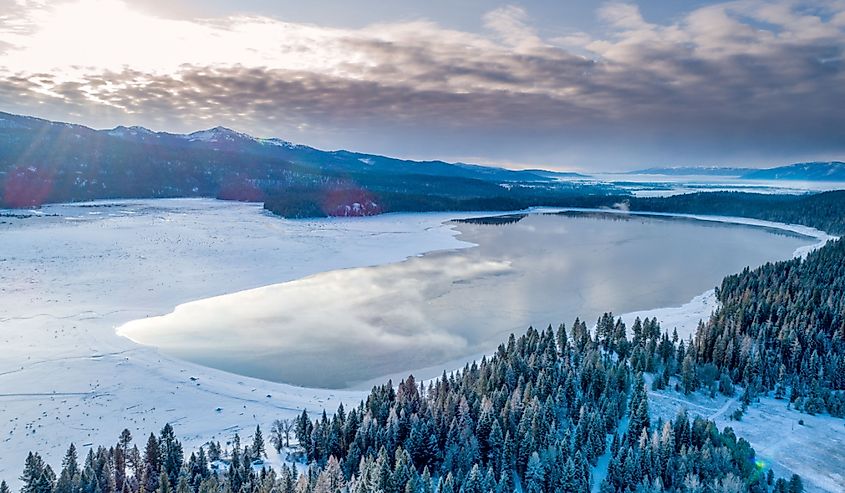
(722, 410)
(599, 472)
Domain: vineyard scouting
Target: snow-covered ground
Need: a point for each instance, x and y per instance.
(814, 450)
(70, 274)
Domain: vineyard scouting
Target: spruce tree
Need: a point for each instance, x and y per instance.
(257, 448)
(32, 472)
(163, 482)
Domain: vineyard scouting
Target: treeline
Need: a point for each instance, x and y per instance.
(344, 202)
(672, 456)
(366, 197)
(537, 413)
(537, 416)
(781, 327)
(47, 162)
(824, 211)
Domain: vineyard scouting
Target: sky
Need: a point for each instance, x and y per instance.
(571, 85)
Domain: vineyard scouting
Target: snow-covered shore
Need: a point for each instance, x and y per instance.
(685, 318)
(814, 449)
(72, 273)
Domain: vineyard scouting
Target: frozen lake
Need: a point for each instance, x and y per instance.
(345, 327)
(72, 273)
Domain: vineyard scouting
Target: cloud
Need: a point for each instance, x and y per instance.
(735, 80)
(510, 24)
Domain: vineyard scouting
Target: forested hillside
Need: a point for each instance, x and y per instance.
(46, 162)
(824, 211)
(782, 327)
(365, 197)
(537, 416)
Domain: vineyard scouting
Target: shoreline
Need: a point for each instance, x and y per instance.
(684, 317)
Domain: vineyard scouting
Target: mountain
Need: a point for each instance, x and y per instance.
(692, 171)
(225, 139)
(44, 161)
(814, 171)
(556, 175)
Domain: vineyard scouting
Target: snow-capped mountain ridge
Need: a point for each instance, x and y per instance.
(133, 131)
(214, 135)
(810, 171)
(279, 142)
(74, 162)
(217, 134)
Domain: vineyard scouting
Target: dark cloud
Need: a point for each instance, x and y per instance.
(714, 87)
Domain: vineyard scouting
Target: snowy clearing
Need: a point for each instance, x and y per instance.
(814, 450)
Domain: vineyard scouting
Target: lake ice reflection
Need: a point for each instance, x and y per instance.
(343, 327)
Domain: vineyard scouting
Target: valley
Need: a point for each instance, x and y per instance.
(70, 378)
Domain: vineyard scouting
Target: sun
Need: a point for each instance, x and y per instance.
(96, 35)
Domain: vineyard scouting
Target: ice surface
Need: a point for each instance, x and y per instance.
(369, 322)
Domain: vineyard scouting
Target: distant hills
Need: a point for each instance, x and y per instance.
(692, 171)
(812, 171)
(815, 171)
(43, 161)
(819, 210)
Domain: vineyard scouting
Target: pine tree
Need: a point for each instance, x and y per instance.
(303, 429)
(182, 486)
(257, 444)
(795, 484)
(46, 481)
(534, 475)
(446, 484)
(70, 463)
(125, 440)
(32, 473)
(163, 482)
(639, 414)
(688, 379)
(69, 478)
(171, 455)
(474, 482)
(152, 455)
